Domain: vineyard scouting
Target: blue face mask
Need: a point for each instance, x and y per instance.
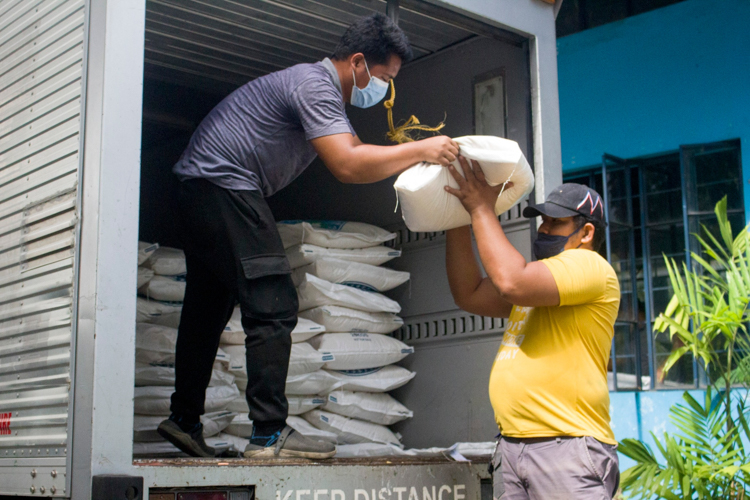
(549, 245)
(370, 95)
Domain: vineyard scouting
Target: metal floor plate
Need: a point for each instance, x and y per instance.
(256, 462)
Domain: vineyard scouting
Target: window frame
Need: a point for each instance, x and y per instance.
(691, 217)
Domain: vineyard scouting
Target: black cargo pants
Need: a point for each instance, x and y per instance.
(234, 254)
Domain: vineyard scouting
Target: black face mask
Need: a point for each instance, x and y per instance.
(549, 245)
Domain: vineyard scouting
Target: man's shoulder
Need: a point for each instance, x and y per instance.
(306, 70)
(592, 262)
(307, 75)
(582, 256)
(578, 266)
(288, 79)
(302, 83)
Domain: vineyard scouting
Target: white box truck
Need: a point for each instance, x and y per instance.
(96, 99)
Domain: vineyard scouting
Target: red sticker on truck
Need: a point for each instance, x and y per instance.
(5, 424)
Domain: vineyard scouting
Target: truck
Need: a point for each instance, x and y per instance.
(97, 98)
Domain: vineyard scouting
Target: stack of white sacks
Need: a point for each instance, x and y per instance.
(161, 290)
(342, 361)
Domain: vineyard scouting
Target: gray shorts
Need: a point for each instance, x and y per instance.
(563, 468)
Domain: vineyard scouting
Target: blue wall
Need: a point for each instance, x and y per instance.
(636, 415)
(647, 84)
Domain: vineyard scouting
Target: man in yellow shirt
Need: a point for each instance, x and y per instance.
(548, 385)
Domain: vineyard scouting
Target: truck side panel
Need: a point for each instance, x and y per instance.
(41, 67)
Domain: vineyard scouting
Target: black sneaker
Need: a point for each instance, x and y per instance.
(191, 442)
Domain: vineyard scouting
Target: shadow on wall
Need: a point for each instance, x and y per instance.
(170, 115)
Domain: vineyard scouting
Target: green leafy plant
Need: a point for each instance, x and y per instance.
(713, 300)
(702, 460)
(708, 313)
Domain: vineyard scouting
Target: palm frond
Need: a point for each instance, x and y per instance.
(705, 457)
(725, 228)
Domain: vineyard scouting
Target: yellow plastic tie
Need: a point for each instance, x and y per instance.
(402, 133)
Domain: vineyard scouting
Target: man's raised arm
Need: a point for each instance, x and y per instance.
(470, 290)
(519, 282)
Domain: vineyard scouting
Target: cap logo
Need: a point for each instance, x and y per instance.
(591, 201)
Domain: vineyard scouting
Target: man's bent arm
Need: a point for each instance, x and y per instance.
(354, 162)
(519, 282)
(472, 292)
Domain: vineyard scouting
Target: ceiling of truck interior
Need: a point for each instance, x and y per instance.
(225, 43)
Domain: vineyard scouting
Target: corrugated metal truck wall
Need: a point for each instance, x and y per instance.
(41, 64)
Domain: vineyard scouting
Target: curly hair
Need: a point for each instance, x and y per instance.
(377, 37)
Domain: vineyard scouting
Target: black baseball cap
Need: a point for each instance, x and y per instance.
(569, 200)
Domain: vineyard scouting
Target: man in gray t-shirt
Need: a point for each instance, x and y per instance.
(254, 143)
(237, 145)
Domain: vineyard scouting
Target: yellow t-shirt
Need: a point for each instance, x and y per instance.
(550, 375)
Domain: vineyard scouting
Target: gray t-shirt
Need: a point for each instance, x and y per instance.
(257, 137)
